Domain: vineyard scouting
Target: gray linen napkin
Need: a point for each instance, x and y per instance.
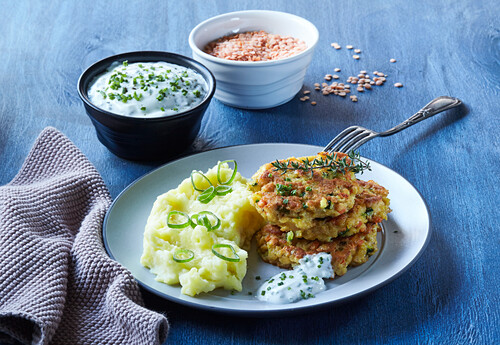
(57, 285)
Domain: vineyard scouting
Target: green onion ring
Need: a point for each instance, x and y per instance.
(220, 256)
(223, 190)
(205, 222)
(202, 175)
(207, 195)
(178, 226)
(202, 219)
(181, 252)
(232, 176)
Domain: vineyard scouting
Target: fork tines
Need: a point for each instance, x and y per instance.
(349, 139)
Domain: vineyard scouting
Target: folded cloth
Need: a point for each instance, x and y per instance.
(57, 285)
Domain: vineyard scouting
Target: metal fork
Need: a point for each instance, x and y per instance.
(353, 137)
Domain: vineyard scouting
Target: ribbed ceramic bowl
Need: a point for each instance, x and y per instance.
(146, 138)
(261, 84)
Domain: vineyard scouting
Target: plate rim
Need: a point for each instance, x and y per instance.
(263, 312)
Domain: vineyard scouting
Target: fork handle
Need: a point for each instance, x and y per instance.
(434, 107)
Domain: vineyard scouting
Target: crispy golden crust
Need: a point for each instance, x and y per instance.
(354, 250)
(281, 196)
(371, 205)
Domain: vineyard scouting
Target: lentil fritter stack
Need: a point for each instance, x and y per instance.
(316, 204)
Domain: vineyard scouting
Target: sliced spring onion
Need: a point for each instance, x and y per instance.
(220, 256)
(232, 176)
(178, 225)
(203, 220)
(223, 190)
(183, 255)
(289, 236)
(202, 175)
(207, 195)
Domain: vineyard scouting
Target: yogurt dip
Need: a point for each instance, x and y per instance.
(303, 282)
(147, 89)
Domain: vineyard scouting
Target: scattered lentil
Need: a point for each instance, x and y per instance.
(363, 80)
(336, 45)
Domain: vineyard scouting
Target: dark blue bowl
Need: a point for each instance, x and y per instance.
(146, 138)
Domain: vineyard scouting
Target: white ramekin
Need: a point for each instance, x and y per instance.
(261, 84)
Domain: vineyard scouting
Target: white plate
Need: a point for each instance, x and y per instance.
(405, 234)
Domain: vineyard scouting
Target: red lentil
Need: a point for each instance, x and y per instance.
(255, 46)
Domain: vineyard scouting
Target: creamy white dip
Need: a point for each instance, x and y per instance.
(147, 89)
(303, 282)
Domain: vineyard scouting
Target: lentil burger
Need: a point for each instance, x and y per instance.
(293, 193)
(274, 248)
(316, 204)
(370, 205)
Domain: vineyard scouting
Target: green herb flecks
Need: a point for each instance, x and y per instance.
(283, 189)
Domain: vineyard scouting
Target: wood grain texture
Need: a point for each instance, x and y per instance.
(451, 295)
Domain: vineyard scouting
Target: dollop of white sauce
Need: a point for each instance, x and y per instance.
(303, 282)
(147, 89)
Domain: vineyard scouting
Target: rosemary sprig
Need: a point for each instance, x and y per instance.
(330, 163)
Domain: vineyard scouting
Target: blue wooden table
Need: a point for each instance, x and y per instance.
(451, 295)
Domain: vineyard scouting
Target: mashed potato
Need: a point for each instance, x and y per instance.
(205, 272)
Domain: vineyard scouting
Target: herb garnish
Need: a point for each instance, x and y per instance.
(351, 162)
